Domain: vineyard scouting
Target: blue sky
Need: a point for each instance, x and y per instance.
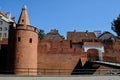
(66, 15)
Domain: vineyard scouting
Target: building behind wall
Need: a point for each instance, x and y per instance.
(53, 35)
(5, 20)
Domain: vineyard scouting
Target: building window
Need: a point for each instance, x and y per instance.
(0, 35)
(30, 40)
(5, 35)
(19, 39)
(5, 28)
(52, 38)
(1, 22)
(0, 28)
(0, 17)
(86, 34)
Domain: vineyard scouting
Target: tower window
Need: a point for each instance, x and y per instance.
(22, 20)
(19, 39)
(30, 40)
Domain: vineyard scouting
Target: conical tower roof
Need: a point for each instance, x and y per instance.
(24, 19)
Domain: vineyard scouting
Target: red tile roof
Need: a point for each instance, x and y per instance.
(79, 36)
(2, 13)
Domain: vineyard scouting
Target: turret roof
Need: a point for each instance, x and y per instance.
(24, 19)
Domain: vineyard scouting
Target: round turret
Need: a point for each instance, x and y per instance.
(26, 41)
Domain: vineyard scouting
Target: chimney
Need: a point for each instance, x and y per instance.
(86, 31)
(8, 15)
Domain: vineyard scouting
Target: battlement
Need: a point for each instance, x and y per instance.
(26, 27)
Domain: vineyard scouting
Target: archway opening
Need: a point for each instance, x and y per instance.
(92, 55)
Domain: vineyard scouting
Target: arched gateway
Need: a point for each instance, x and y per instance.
(92, 55)
(100, 49)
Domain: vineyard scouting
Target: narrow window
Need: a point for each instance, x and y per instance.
(30, 40)
(19, 39)
(22, 20)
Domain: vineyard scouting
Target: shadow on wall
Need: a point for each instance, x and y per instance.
(3, 58)
(87, 69)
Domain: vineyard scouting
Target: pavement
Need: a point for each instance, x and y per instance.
(80, 77)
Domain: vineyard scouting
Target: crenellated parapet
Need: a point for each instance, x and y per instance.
(26, 27)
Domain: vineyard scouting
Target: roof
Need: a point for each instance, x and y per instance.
(24, 18)
(7, 17)
(53, 35)
(54, 31)
(79, 36)
(107, 35)
(3, 14)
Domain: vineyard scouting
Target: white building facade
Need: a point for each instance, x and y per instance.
(5, 20)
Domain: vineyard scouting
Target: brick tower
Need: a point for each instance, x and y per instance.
(26, 42)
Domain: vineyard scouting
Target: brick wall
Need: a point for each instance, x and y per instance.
(58, 55)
